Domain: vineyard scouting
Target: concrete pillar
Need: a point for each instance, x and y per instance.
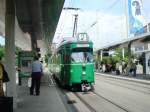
(129, 50)
(101, 55)
(123, 53)
(10, 49)
(33, 42)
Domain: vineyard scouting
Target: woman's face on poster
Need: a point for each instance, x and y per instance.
(136, 8)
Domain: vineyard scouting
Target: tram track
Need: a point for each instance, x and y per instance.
(90, 105)
(92, 109)
(85, 103)
(91, 100)
(121, 107)
(70, 102)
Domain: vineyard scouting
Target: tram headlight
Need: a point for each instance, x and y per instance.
(83, 73)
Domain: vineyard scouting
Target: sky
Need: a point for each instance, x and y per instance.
(103, 20)
(2, 40)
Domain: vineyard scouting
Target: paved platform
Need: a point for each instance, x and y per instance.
(49, 99)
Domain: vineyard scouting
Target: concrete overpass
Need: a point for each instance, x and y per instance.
(34, 20)
(29, 24)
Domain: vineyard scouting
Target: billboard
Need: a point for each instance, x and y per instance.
(135, 16)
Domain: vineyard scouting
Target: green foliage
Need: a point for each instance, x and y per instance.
(46, 58)
(17, 50)
(116, 57)
(111, 60)
(2, 51)
(118, 53)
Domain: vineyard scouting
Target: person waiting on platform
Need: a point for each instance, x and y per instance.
(36, 69)
(117, 68)
(1, 81)
(3, 77)
(133, 68)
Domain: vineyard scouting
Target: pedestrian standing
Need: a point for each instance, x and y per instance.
(1, 81)
(36, 68)
(120, 68)
(3, 77)
(134, 69)
(117, 68)
(104, 67)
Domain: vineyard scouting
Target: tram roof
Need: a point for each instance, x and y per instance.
(73, 40)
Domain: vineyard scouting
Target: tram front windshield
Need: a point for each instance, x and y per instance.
(79, 55)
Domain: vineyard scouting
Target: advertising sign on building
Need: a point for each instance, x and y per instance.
(24, 63)
(135, 17)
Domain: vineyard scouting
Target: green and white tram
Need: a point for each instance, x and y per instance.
(73, 65)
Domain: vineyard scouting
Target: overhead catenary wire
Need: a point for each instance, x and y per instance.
(96, 22)
(69, 9)
(112, 5)
(63, 21)
(107, 9)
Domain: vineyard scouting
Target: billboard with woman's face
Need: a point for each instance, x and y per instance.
(136, 20)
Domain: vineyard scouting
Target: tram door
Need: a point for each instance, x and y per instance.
(25, 59)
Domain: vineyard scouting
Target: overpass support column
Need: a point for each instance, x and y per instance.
(123, 55)
(33, 42)
(129, 51)
(101, 55)
(129, 55)
(10, 49)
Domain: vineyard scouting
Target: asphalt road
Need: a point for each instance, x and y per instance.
(115, 95)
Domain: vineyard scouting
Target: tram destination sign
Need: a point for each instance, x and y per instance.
(82, 45)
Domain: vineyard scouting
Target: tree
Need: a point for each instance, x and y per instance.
(2, 51)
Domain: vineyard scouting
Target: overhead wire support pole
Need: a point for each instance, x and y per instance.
(75, 25)
(75, 21)
(126, 15)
